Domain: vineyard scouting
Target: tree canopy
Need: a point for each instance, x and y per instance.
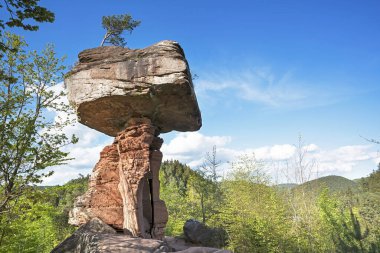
(18, 13)
(115, 25)
(30, 139)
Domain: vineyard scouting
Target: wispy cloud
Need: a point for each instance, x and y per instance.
(263, 86)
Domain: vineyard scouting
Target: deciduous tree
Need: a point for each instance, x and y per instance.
(206, 185)
(19, 13)
(30, 138)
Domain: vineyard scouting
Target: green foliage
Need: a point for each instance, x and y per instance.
(176, 192)
(115, 25)
(369, 210)
(256, 216)
(333, 183)
(372, 183)
(30, 227)
(253, 213)
(177, 173)
(345, 226)
(260, 218)
(30, 140)
(207, 187)
(39, 221)
(18, 13)
(61, 198)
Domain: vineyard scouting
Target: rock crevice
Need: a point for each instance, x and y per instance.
(124, 185)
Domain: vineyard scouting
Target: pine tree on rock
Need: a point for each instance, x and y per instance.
(115, 25)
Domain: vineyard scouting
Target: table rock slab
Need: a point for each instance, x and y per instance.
(110, 85)
(124, 186)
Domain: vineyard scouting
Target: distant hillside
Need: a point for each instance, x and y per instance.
(333, 183)
(285, 186)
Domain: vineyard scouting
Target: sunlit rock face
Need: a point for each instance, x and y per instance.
(133, 95)
(110, 85)
(124, 186)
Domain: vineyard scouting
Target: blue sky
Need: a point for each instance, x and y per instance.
(268, 72)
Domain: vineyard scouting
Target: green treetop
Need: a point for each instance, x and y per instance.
(30, 140)
(115, 25)
(18, 13)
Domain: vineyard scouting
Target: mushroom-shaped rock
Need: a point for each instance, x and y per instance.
(134, 95)
(110, 85)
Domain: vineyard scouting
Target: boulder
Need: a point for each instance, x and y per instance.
(110, 85)
(198, 233)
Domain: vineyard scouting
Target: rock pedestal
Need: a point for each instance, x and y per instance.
(124, 185)
(140, 158)
(133, 95)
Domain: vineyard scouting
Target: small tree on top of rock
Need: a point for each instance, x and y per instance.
(115, 26)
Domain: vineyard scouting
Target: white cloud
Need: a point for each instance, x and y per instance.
(276, 152)
(311, 148)
(85, 153)
(344, 159)
(190, 147)
(64, 174)
(376, 158)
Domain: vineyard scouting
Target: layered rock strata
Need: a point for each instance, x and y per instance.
(124, 185)
(112, 84)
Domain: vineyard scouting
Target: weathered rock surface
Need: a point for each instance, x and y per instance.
(97, 237)
(110, 85)
(103, 199)
(180, 245)
(198, 233)
(203, 250)
(124, 185)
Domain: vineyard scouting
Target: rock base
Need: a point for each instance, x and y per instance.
(124, 186)
(97, 237)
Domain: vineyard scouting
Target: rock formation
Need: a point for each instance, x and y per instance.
(97, 237)
(133, 95)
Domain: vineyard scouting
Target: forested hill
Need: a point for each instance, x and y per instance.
(333, 183)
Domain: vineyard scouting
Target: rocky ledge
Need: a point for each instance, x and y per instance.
(97, 237)
(110, 85)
